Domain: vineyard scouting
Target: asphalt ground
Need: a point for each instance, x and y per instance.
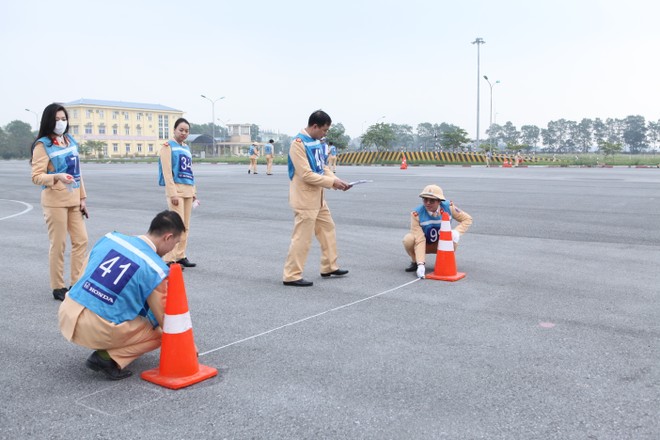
(553, 333)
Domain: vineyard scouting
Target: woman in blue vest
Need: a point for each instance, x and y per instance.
(176, 175)
(425, 222)
(56, 168)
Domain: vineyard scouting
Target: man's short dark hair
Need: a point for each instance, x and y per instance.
(167, 221)
(271, 141)
(320, 118)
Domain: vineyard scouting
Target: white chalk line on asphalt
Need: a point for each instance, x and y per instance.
(334, 309)
(27, 209)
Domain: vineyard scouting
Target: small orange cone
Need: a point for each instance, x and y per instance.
(404, 164)
(506, 164)
(178, 356)
(445, 263)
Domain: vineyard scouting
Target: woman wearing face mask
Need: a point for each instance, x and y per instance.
(56, 167)
(176, 175)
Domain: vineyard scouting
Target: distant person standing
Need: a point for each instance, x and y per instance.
(176, 175)
(309, 176)
(254, 154)
(268, 152)
(332, 157)
(489, 157)
(56, 167)
(518, 158)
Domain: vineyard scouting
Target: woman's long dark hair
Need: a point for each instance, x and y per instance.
(47, 126)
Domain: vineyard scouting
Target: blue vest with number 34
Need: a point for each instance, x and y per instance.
(181, 165)
(121, 274)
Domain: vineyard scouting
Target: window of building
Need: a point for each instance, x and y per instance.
(115, 148)
(101, 113)
(128, 148)
(127, 130)
(150, 117)
(74, 114)
(138, 130)
(115, 114)
(151, 148)
(101, 129)
(138, 116)
(163, 126)
(114, 129)
(125, 116)
(89, 113)
(139, 148)
(74, 129)
(88, 128)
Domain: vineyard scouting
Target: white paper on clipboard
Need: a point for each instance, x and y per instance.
(357, 182)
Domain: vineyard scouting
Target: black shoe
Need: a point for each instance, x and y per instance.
(108, 367)
(174, 262)
(255, 173)
(412, 267)
(338, 273)
(186, 263)
(298, 283)
(60, 293)
(248, 171)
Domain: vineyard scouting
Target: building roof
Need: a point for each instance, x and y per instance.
(135, 105)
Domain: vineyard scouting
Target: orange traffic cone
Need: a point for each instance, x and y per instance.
(404, 164)
(445, 264)
(506, 164)
(178, 356)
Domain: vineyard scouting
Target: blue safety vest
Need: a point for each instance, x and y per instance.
(64, 160)
(431, 225)
(268, 149)
(315, 155)
(333, 151)
(121, 274)
(181, 165)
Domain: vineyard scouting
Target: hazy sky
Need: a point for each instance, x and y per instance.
(275, 62)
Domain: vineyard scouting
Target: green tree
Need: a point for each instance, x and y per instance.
(584, 135)
(510, 134)
(221, 132)
(254, 133)
(403, 135)
(380, 135)
(609, 148)
(599, 129)
(18, 139)
(455, 138)
(634, 134)
(337, 135)
(530, 135)
(653, 134)
(97, 147)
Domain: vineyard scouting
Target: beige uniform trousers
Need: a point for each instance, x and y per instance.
(306, 223)
(332, 162)
(269, 164)
(184, 209)
(253, 163)
(59, 221)
(124, 342)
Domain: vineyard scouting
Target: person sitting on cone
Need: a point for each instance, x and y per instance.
(117, 307)
(425, 223)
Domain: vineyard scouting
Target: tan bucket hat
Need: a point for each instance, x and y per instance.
(432, 192)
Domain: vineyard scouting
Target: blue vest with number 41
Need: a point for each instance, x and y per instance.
(121, 274)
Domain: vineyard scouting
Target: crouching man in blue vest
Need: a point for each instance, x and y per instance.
(117, 306)
(425, 223)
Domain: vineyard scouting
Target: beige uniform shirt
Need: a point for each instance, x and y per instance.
(56, 194)
(173, 189)
(306, 188)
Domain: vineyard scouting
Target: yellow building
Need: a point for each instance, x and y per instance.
(129, 129)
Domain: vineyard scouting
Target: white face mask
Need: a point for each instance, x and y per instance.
(60, 126)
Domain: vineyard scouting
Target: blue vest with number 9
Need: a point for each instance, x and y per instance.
(431, 225)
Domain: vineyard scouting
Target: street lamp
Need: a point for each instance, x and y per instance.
(478, 41)
(36, 116)
(213, 116)
(490, 120)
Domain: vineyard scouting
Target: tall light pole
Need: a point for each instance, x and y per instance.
(490, 120)
(478, 41)
(212, 101)
(36, 116)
